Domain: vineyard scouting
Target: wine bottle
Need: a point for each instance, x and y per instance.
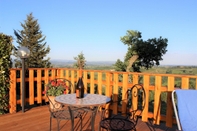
(80, 88)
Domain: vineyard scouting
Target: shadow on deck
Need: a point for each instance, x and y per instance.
(37, 119)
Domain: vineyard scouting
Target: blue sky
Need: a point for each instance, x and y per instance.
(94, 27)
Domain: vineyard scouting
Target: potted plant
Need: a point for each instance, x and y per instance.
(55, 88)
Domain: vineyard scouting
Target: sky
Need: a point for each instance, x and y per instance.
(94, 27)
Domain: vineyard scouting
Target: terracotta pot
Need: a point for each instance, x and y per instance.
(53, 103)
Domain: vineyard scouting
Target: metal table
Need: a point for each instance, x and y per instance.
(90, 102)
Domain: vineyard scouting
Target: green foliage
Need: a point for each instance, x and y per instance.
(185, 70)
(148, 53)
(81, 62)
(5, 65)
(120, 66)
(97, 67)
(32, 38)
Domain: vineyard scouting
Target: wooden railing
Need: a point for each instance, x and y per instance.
(158, 88)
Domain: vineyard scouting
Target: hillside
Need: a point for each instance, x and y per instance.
(108, 65)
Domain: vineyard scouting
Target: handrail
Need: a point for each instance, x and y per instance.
(110, 83)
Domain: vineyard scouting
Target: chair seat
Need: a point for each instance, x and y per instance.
(65, 114)
(127, 119)
(117, 124)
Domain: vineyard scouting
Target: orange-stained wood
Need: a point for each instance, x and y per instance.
(157, 102)
(107, 82)
(85, 75)
(99, 83)
(185, 83)
(124, 90)
(73, 80)
(31, 87)
(37, 119)
(115, 95)
(108, 86)
(39, 87)
(169, 111)
(135, 79)
(146, 88)
(92, 82)
(12, 93)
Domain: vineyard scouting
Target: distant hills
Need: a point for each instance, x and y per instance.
(89, 63)
(97, 63)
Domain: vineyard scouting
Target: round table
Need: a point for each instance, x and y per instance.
(89, 100)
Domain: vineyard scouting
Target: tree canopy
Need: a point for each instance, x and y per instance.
(6, 47)
(81, 62)
(141, 53)
(32, 38)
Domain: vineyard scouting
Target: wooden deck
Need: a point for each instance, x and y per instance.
(37, 119)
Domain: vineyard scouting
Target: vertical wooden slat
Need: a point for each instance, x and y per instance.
(134, 90)
(73, 80)
(185, 83)
(115, 94)
(46, 80)
(100, 83)
(110, 86)
(135, 78)
(85, 80)
(196, 83)
(12, 92)
(124, 90)
(78, 75)
(71, 75)
(31, 86)
(21, 88)
(53, 75)
(157, 102)
(57, 73)
(170, 83)
(91, 82)
(46, 76)
(146, 88)
(67, 74)
(107, 87)
(61, 73)
(169, 109)
(39, 86)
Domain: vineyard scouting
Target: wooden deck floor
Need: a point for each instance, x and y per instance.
(37, 119)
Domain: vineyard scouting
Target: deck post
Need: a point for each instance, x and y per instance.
(23, 84)
(23, 52)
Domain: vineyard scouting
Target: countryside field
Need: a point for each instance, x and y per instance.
(162, 69)
(186, 70)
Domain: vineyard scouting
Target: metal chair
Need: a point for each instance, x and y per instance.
(185, 105)
(61, 112)
(135, 101)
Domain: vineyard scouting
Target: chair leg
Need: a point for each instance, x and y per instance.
(58, 123)
(81, 122)
(72, 128)
(99, 128)
(101, 114)
(50, 123)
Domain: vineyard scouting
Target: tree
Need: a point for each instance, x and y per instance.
(141, 53)
(81, 62)
(120, 66)
(31, 37)
(5, 65)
